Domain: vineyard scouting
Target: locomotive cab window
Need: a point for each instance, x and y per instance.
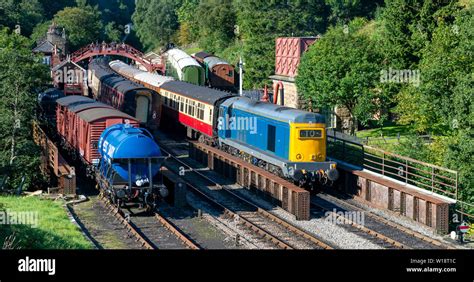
(311, 133)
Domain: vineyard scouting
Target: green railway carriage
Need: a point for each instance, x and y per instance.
(183, 67)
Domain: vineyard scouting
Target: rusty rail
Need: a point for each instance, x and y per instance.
(173, 229)
(266, 234)
(281, 192)
(128, 226)
(394, 225)
(364, 229)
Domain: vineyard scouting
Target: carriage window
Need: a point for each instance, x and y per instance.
(230, 74)
(200, 113)
(271, 138)
(192, 108)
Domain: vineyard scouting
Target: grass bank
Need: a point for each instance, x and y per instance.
(49, 226)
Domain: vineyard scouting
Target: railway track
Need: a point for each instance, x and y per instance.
(152, 232)
(409, 239)
(359, 229)
(378, 230)
(132, 230)
(265, 225)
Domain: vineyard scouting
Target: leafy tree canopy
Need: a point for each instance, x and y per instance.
(22, 75)
(156, 21)
(343, 68)
(83, 25)
(24, 13)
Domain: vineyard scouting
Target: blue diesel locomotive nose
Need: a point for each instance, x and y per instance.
(122, 145)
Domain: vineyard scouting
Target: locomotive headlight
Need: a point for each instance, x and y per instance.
(298, 156)
(320, 156)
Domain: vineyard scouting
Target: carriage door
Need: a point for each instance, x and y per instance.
(143, 104)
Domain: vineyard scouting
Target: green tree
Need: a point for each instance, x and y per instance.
(407, 26)
(24, 13)
(444, 99)
(52, 7)
(83, 25)
(444, 102)
(343, 11)
(188, 22)
(261, 22)
(113, 32)
(40, 30)
(216, 24)
(155, 21)
(342, 68)
(22, 74)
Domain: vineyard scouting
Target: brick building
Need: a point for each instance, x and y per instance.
(288, 54)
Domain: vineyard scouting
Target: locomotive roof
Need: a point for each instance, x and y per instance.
(98, 113)
(277, 112)
(72, 99)
(200, 93)
(81, 107)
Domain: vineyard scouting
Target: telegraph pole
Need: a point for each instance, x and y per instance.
(241, 76)
(241, 63)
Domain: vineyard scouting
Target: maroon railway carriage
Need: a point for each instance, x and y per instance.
(219, 73)
(194, 107)
(81, 123)
(125, 95)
